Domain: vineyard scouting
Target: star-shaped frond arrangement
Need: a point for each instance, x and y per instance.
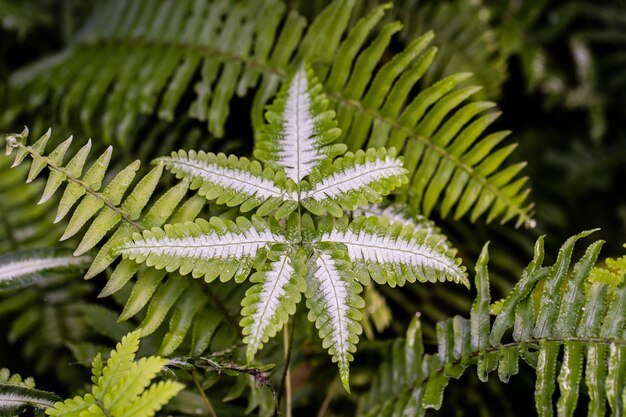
(305, 178)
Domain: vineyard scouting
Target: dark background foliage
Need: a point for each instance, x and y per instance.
(556, 69)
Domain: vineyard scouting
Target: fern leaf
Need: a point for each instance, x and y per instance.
(18, 395)
(209, 249)
(395, 253)
(77, 407)
(14, 399)
(333, 301)
(232, 181)
(300, 130)
(84, 189)
(352, 181)
(117, 366)
(580, 335)
(24, 268)
(153, 399)
(253, 47)
(134, 383)
(270, 302)
(122, 387)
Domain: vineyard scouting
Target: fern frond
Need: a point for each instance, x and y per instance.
(352, 181)
(395, 253)
(115, 223)
(300, 130)
(584, 327)
(256, 45)
(85, 188)
(17, 395)
(122, 386)
(334, 302)
(209, 249)
(233, 181)
(468, 40)
(23, 268)
(270, 302)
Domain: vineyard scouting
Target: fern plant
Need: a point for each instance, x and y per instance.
(452, 164)
(121, 386)
(560, 320)
(306, 253)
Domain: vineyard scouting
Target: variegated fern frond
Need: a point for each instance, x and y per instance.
(18, 396)
(314, 256)
(122, 386)
(256, 45)
(557, 319)
(23, 268)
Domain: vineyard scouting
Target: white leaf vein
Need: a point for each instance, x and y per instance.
(332, 290)
(299, 151)
(273, 289)
(209, 245)
(387, 250)
(355, 177)
(229, 178)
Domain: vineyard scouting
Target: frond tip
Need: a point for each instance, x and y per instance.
(301, 129)
(334, 302)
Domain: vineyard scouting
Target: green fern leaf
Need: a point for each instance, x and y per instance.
(254, 47)
(153, 399)
(122, 386)
(580, 335)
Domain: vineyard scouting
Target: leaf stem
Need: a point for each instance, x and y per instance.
(285, 384)
(327, 400)
(205, 399)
